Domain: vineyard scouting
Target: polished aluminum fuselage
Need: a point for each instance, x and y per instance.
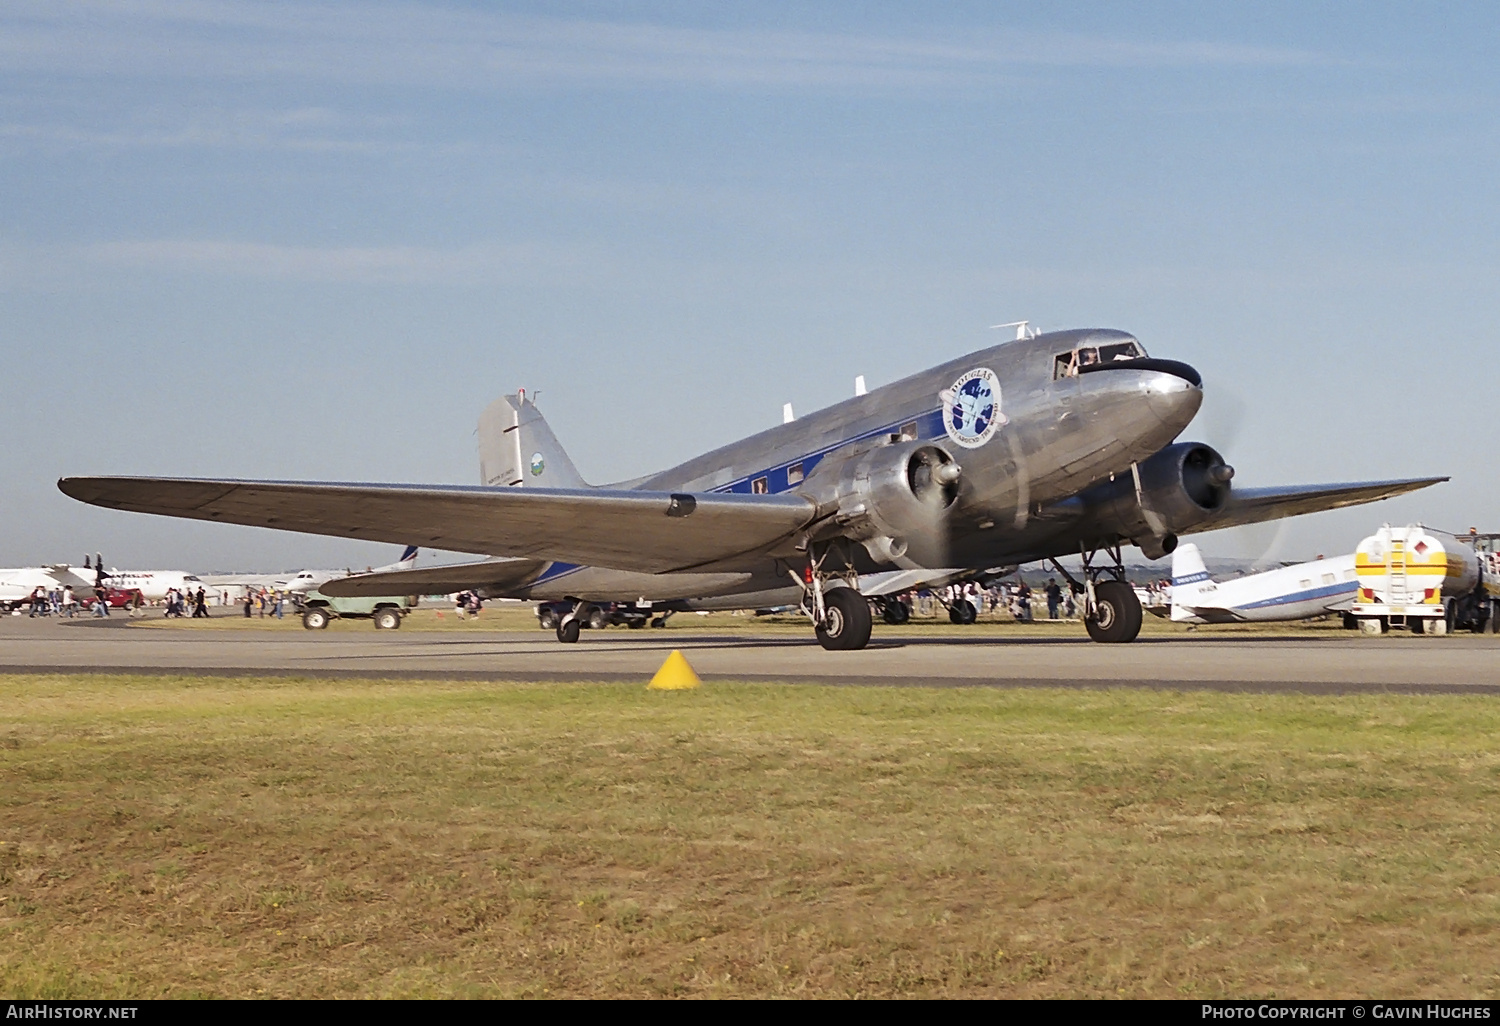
(1017, 497)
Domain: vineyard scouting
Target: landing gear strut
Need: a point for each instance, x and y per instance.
(831, 599)
(1112, 612)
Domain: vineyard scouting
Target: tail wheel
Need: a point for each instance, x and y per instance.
(567, 631)
(1117, 613)
(846, 624)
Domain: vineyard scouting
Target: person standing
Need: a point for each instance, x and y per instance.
(1054, 598)
(249, 602)
(70, 603)
(200, 605)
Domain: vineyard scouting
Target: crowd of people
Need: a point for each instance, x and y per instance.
(1018, 599)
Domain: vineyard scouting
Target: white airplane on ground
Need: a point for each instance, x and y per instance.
(303, 581)
(18, 583)
(152, 584)
(1288, 593)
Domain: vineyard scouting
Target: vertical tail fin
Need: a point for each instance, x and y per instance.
(406, 562)
(516, 447)
(1188, 576)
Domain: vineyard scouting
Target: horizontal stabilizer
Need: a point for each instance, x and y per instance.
(491, 574)
(653, 532)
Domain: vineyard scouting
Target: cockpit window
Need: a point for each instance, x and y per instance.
(1067, 365)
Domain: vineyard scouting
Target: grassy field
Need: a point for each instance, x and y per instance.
(521, 617)
(176, 837)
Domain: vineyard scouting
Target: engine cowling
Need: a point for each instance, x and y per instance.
(891, 498)
(1173, 491)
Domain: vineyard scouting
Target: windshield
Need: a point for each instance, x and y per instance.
(1067, 365)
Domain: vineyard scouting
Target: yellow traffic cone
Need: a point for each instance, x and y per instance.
(675, 674)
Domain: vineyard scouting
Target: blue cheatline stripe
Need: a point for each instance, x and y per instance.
(556, 570)
(929, 426)
(1326, 591)
(1202, 575)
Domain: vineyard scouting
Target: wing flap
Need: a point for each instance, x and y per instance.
(653, 532)
(1257, 505)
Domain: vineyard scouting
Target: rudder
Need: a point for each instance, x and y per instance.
(517, 448)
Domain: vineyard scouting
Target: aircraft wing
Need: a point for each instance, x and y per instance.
(1256, 505)
(653, 532)
(495, 574)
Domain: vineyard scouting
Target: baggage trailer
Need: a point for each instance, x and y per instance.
(1427, 580)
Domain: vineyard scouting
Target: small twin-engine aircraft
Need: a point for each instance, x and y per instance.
(1286, 593)
(1056, 444)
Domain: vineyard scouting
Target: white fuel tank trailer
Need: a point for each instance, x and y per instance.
(1424, 579)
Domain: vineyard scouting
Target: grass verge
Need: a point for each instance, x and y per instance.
(177, 837)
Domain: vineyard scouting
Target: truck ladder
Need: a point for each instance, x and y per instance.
(1396, 574)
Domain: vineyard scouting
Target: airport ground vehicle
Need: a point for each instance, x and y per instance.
(319, 610)
(608, 614)
(1428, 580)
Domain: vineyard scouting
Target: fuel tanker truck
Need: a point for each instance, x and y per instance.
(1427, 580)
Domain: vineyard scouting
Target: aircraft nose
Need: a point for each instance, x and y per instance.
(1172, 395)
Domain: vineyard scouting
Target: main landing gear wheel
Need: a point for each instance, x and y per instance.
(1117, 613)
(567, 631)
(963, 612)
(846, 624)
(895, 613)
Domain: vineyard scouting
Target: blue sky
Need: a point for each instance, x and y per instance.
(313, 241)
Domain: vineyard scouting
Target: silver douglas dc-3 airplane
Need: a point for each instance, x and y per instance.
(1056, 444)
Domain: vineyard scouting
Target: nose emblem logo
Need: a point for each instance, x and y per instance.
(971, 408)
(537, 465)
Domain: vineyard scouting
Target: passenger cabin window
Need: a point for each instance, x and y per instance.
(909, 431)
(1068, 365)
(760, 486)
(1328, 578)
(794, 474)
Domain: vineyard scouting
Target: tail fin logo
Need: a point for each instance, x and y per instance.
(538, 464)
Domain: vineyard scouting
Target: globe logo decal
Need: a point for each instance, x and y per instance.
(971, 408)
(537, 464)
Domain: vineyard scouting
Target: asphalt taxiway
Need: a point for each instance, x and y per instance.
(1325, 663)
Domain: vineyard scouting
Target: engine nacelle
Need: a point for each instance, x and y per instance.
(1171, 492)
(891, 498)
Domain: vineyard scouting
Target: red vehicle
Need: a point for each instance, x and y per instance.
(120, 598)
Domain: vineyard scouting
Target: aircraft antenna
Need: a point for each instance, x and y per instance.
(1023, 329)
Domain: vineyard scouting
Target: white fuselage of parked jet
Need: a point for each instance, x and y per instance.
(152, 584)
(1287, 593)
(18, 583)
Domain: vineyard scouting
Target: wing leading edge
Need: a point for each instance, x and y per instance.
(1257, 505)
(652, 532)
